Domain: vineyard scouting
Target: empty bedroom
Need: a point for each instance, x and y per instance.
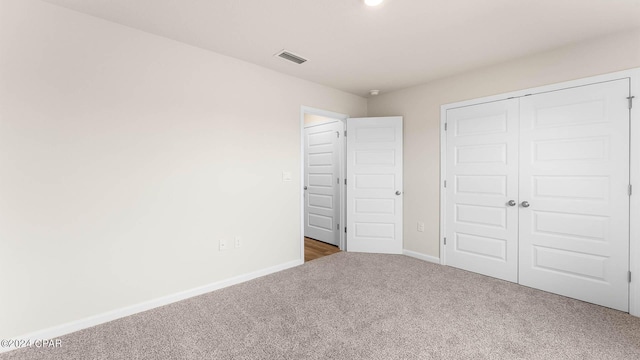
(303, 179)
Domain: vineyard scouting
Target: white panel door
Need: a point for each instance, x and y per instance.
(482, 189)
(321, 174)
(574, 177)
(374, 186)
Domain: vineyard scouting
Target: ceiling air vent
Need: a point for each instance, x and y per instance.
(291, 57)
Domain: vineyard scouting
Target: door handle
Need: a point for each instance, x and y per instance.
(525, 204)
(398, 192)
(305, 187)
(512, 203)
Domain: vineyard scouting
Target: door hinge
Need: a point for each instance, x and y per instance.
(345, 133)
(338, 181)
(445, 183)
(345, 229)
(338, 227)
(630, 98)
(345, 181)
(445, 126)
(629, 276)
(630, 189)
(445, 241)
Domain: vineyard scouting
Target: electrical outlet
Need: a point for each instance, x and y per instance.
(237, 241)
(420, 226)
(224, 245)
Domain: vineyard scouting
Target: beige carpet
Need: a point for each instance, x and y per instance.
(362, 306)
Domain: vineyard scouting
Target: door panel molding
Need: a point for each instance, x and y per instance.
(543, 183)
(374, 184)
(342, 119)
(321, 182)
(576, 245)
(483, 227)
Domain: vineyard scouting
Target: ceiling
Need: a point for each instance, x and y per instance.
(356, 48)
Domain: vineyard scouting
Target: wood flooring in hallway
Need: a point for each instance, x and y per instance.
(314, 249)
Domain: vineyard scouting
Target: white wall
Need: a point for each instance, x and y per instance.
(124, 159)
(420, 107)
(311, 119)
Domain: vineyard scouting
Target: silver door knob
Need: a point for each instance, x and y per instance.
(398, 192)
(305, 188)
(512, 203)
(525, 204)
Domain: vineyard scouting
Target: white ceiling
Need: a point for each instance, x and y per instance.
(357, 48)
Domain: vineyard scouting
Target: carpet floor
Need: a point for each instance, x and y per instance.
(362, 306)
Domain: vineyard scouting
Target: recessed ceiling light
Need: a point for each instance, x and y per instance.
(373, 2)
(374, 92)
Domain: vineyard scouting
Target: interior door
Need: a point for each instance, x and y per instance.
(322, 182)
(574, 177)
(482, 189)
(374, 185)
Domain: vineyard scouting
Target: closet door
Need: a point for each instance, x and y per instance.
(482, 189)
(574, 201)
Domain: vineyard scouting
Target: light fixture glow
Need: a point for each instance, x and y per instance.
(373, 2)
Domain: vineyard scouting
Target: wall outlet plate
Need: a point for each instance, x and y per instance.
(224, 245)
(420, 226)
(237, 241)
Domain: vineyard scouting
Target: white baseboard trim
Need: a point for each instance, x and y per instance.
(73, 326)
(417, 255)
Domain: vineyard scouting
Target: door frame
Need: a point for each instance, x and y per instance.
(342, 118)
(634, 167)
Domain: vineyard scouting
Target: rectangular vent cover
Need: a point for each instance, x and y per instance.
(291, 57)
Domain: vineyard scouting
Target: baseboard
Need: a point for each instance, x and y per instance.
(417, 255)
(73, 326)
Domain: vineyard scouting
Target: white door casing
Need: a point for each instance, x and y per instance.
(574, 175)
(482, 174)
(374, 185)
(322, 182)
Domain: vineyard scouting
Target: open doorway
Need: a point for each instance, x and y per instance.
(371, 156)
(322, 183)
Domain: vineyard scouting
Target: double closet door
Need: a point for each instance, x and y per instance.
(538, 191)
